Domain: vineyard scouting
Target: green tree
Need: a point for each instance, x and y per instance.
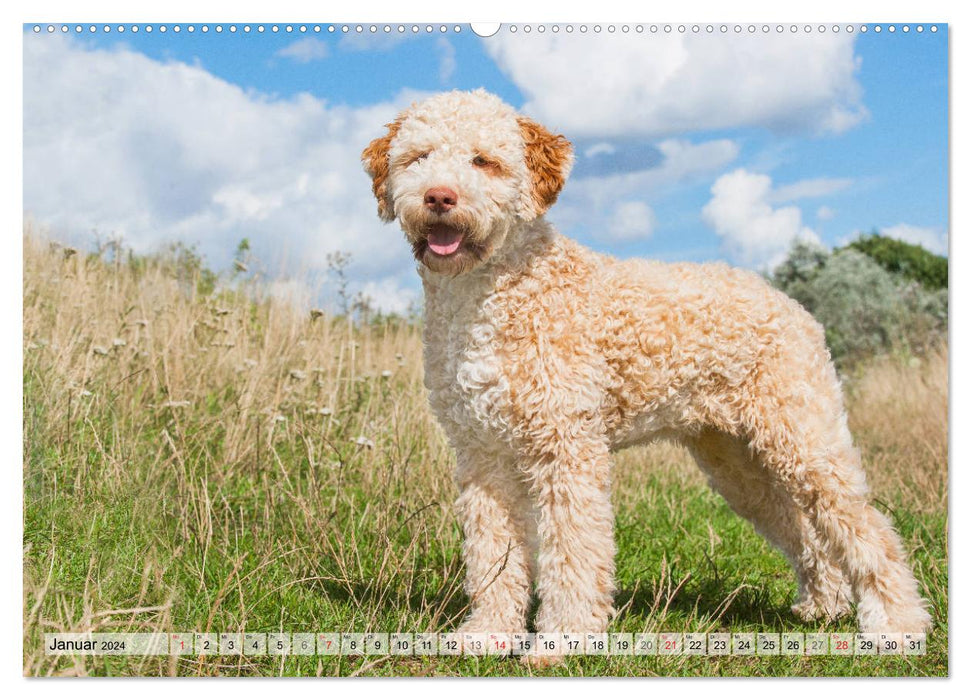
(906, 259)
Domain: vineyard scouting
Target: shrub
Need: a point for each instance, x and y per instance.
(906, 259)
(864, 308)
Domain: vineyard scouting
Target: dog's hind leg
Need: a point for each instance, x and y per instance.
(756, 495)
(493, 508)
(808, 447)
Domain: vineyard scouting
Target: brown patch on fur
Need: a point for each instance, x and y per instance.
(548, 157)
(375, 159)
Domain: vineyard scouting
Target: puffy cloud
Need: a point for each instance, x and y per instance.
(618, 195)
(752, 231)
(391, 294)
(606, 85)
(931, 239)
(120, 143)
(677, 161)
(305, 50)
(631, 221)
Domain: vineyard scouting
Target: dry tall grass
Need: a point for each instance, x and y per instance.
(245, 436)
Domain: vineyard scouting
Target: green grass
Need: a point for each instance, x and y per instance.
(218, 516)
(685, 563)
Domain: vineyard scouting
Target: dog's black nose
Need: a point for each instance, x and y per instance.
(441, 199)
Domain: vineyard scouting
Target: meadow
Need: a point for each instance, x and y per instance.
(202, 461)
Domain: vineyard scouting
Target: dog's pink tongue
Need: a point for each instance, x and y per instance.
(444, 241)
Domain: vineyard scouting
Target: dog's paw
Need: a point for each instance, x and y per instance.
(540, 661)
(812, 611)
(913, 618)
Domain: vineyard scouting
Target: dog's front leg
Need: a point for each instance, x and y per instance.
(493, 507)
(575, 578)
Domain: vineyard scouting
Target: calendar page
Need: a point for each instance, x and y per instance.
(610, 349)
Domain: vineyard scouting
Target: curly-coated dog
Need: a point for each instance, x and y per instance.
(541, 357)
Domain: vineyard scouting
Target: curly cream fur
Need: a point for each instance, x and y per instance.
(542, 357)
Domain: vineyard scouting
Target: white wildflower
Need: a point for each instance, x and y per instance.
(119, 342)
(386, 374)
(99, 350)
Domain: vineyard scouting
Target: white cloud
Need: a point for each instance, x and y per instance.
(931, 239)
(681, 161)
(293, 292)
(381, 41)
(810, 189)
(825, 213)
(631, 221)
(601, 148)
(305, 50)
(586, 201)
(123, 144)
(753, 233)
(391, 295)
(446, 60)
(606, 85)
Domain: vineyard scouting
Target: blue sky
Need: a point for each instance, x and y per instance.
(694, 147)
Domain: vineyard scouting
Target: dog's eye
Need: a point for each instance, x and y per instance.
(487, 165)
(417, 158)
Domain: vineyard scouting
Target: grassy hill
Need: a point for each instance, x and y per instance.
(201, 460)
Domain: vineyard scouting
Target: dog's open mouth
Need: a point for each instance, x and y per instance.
(444, 239)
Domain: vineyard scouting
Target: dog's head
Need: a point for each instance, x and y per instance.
(459, 170)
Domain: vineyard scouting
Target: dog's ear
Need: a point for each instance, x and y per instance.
(377, 165)
(549, 158)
